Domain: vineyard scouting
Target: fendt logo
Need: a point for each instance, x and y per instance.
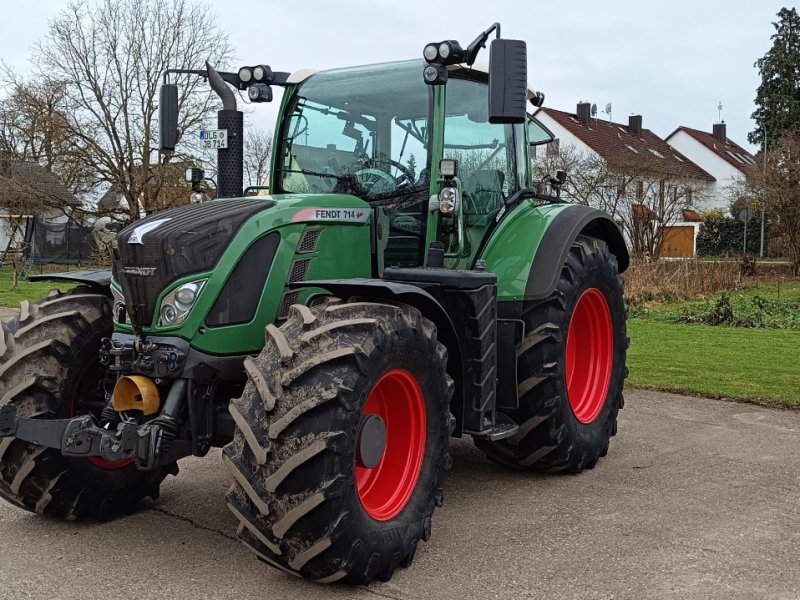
(140, 271)
(348, 215)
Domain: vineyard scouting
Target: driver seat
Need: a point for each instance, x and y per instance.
(483, 193)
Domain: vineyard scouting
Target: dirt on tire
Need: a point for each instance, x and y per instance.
(292, 457)
(48, 356)
(550, 437)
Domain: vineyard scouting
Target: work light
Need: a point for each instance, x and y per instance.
(448, 168)
(435, 74)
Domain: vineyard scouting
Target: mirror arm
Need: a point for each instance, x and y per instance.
(478, 43)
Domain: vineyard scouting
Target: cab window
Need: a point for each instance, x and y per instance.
(486, 152)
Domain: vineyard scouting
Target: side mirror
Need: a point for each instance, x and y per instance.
(168, 117)
(508, 81)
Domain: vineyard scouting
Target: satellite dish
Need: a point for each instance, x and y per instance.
(608, 108)
(594, 110)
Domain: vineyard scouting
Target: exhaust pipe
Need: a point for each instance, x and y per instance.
(230, 160)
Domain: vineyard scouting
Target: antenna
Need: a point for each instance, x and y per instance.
(608, 111)
(719, 112)
(594, 111)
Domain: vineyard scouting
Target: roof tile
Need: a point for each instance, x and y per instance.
(615, 141)
(722, 150)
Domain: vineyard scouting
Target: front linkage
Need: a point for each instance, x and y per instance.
(82, 437)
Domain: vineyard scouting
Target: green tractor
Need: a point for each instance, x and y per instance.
(405, 281)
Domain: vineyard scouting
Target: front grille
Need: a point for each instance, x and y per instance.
(159, 249)
(288, 299)
(308, 241)
(299, 270)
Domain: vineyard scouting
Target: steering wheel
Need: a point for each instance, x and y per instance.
(377, 181)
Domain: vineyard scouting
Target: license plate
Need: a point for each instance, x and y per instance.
(214, 138)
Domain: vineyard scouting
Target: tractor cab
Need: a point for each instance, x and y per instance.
(378, 132)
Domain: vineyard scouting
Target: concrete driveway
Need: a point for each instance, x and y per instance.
(697, 499)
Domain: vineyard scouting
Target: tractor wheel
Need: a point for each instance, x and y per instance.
(342, 441)
(570, 368)
(49, 368)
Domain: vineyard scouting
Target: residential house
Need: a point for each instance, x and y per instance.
(28, 191)
(174, 191)
(642, 181)
(716, 154)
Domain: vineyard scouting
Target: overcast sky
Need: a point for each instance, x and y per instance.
(672, 62)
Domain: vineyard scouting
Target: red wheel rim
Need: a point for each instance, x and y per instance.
(590, 355)
(385, 489)
(95, 460)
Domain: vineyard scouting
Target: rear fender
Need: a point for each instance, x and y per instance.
(530, 246)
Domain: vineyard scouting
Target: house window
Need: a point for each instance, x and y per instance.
(689, 196)
(553, 148)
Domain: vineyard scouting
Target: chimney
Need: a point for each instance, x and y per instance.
(635, 125)
(584, 112)
(720, 133)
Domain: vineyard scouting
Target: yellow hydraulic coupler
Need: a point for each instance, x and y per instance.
(136, 392)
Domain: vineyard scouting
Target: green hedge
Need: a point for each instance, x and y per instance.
(722, 235)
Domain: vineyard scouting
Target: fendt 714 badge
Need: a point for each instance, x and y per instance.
(354, 215)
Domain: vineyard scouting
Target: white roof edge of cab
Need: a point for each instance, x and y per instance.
(482, 66)
(301, 75)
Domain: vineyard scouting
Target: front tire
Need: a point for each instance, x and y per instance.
(312, 496)
(571, 368)
(49, 368)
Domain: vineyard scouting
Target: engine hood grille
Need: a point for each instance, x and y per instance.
(164, 247)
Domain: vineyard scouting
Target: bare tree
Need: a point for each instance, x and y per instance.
(109, 58)
(34, 127)
(257, 155)
(638, 193)
(776, 189)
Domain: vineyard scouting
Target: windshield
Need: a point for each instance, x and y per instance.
(361, 131)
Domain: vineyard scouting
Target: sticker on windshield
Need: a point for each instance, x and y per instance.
(348, 215)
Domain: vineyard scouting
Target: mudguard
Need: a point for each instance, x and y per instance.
(530, 245)
(97, 278)
(381, 289)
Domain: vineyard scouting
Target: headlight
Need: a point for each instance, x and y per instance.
(448, 200)
(179, 302)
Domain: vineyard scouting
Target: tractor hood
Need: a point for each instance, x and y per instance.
(156, 251)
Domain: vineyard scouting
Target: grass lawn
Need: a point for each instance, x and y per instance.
(28, 290)
(669, 311)
(730, 362)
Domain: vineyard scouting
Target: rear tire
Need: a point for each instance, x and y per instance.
(570, 368)
(49, 368)
(303, 503)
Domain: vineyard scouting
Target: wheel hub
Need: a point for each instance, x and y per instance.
(370, 441)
